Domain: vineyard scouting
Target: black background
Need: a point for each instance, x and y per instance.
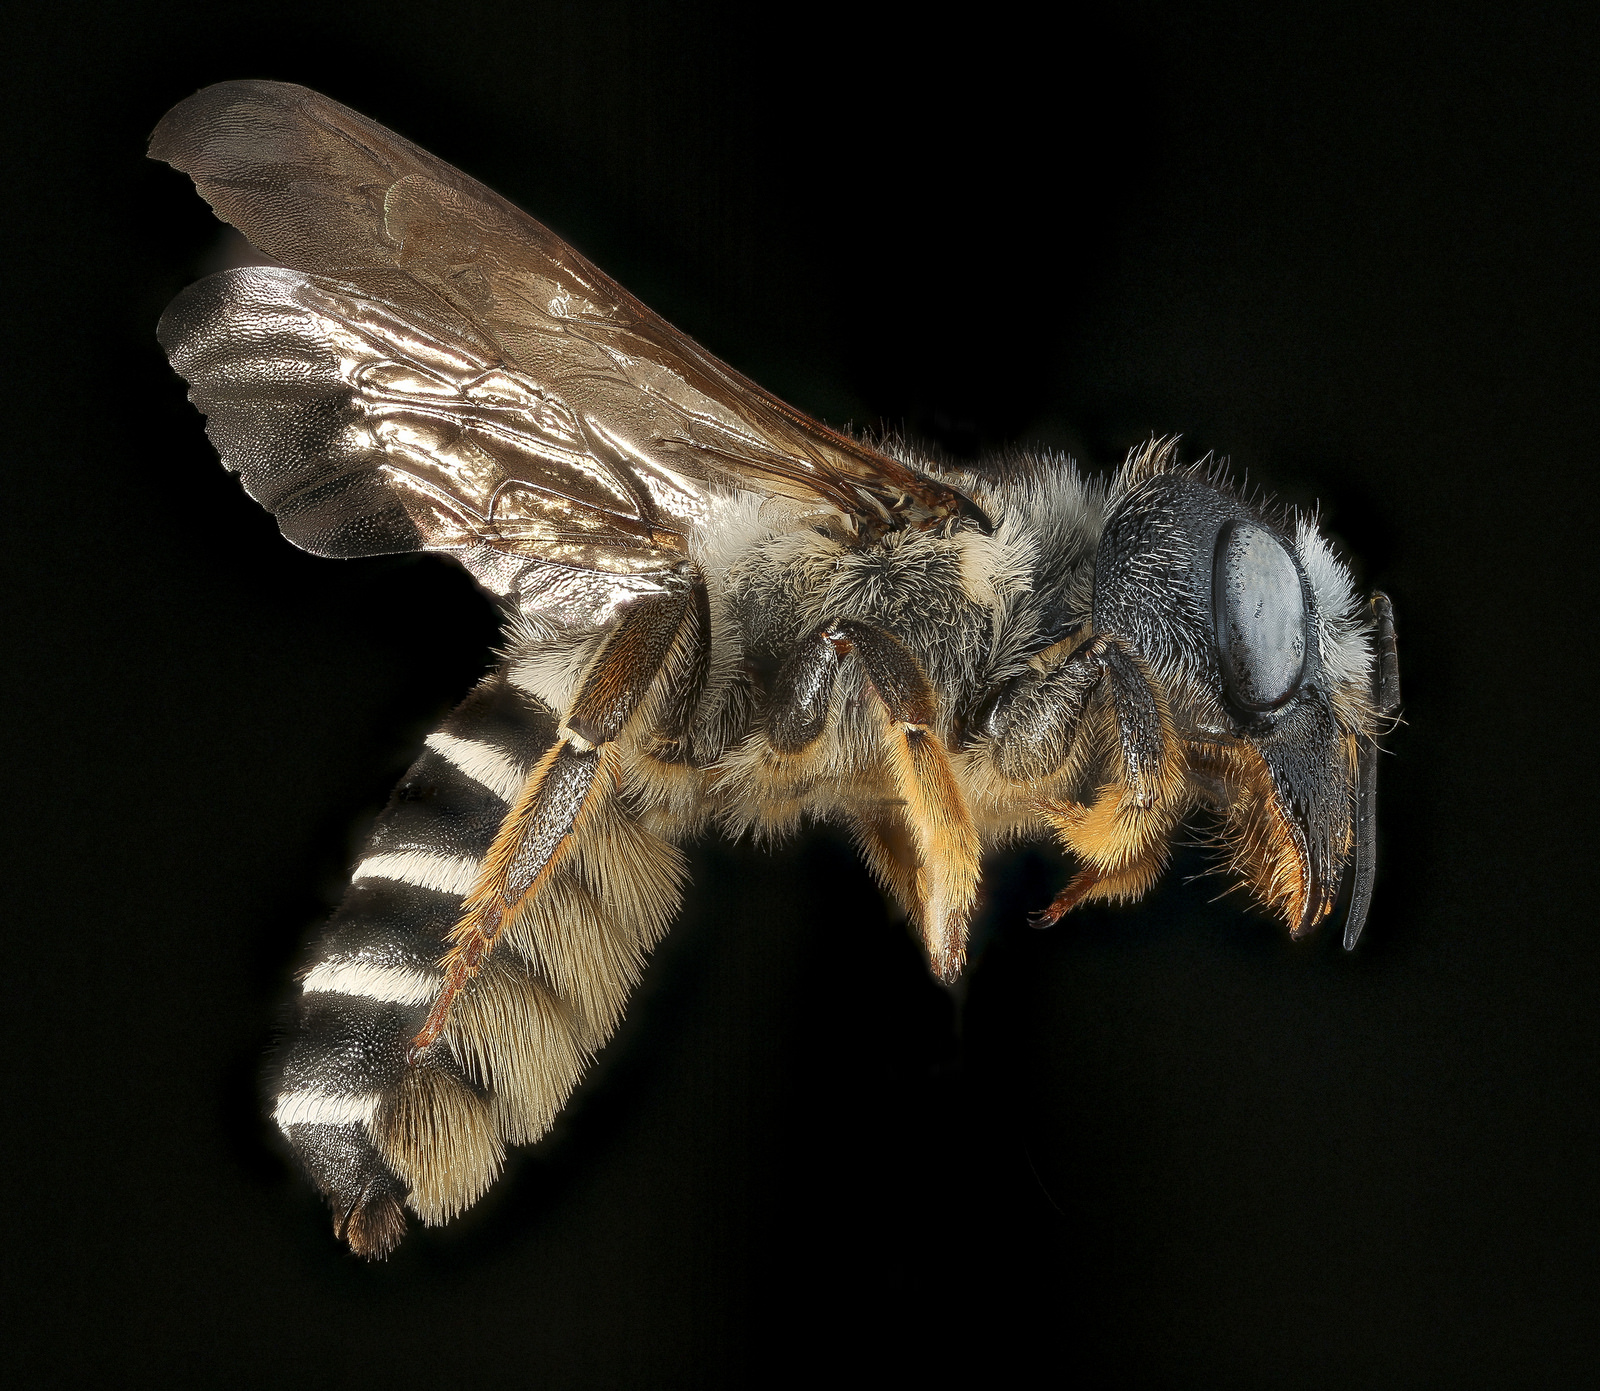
(1352, 248)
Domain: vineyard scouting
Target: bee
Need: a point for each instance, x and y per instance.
(718, 613)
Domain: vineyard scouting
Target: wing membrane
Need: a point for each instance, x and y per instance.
(433, 367)
(364, 433)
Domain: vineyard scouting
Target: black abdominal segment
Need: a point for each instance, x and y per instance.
(375, 970)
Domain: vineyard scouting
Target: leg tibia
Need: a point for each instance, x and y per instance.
(936, 814)
(556, 796)
(526, 1026)
(1123, 846)
(885, 844)
(1139, 860)
(947, 848)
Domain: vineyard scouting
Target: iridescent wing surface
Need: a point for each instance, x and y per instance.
(430, 368)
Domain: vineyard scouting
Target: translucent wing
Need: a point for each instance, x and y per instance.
(430, 367)
(366, 433)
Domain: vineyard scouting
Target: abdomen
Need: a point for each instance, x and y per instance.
(380, 1129)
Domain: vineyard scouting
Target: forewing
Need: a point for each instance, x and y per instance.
(365, 433)
(363, 214)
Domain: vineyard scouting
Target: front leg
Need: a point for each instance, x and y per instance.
(1034, 721)
(1033, 726)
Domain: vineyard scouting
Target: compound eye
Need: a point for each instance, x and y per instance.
(1260, 613)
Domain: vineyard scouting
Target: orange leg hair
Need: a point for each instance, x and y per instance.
(936, 815)
(1123, 844)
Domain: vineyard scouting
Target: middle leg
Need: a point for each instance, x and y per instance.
(942, 838)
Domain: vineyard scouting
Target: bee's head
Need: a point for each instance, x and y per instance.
(1250, 628)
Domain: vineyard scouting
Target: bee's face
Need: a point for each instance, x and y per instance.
(1218, 601)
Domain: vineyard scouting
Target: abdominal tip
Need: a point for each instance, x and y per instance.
(374, 1226)
(948, 965)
